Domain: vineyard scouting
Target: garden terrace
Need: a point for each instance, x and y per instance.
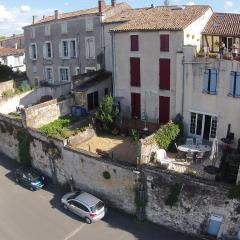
(119, 148)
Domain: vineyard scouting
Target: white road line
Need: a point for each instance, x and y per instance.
(73, 233)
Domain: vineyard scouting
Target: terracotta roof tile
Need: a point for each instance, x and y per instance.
(81, 13)
(158, 18)
(227, 24)
(4, 52)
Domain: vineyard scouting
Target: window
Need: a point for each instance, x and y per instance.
(235, 84)
(67, 48)
(210, 81)
(164, 109)
(90, 69)
(136, 105)
(47, 30)
(49, 74)
(64, 29)
(33, 51)
(164, 43)
(134, 43)
(64, 74)
(203, 125)
(33, 32)
(164, 74)
(77, 70)
(82, 207)
(47, 50)
(90, 47)
(89, 24)
(135, 72)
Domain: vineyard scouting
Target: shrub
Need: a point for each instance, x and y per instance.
(234, 192)
(213, 55)
(8, 93)
(167, 134)
(106, 114)
(201, 53)
(173, 196)
(135, 134)
(5, 73)
(106, 175)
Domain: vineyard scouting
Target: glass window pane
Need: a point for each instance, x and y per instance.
(193, 123)
(199, 124)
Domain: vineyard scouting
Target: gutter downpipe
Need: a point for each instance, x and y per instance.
(113, 64)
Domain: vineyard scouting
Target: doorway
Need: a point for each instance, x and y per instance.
(203, 125)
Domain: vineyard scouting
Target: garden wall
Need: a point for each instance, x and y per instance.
(4, 86)
(197, 201)
(44, 113)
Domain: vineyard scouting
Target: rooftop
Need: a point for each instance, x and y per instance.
(226, 24)
(4, 52)
(63, 16)
(158, 18)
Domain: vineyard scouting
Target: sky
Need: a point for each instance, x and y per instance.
(14, 14)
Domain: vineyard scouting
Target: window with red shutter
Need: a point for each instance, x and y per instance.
(164, 43)
(136, 105)
(135, 72)
(134, 43)
(164, 74)
(164, 109)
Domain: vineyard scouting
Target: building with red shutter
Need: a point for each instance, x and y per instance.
(145, 46)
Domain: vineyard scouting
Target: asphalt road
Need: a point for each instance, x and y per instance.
(26, 215)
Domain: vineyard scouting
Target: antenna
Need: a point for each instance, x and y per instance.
(166, 2)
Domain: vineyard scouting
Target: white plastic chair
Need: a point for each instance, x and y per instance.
(161, 157)
(198, 141)
(189, 141)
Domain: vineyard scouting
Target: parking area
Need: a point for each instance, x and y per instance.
(39, 215)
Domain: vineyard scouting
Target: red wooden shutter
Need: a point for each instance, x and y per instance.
(164, 43)
(164, 109)
(134, 43)
(164, 74)
(135, 72)
(136, 105)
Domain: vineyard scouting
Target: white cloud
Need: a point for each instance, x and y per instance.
(12, 20)
(190, 3)
(228, 3)
(25, 9)
(66, 4)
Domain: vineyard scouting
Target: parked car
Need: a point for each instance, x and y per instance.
(85, 205)
(29, 178)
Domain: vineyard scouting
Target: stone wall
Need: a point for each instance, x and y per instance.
(4, 86)
(198, 198)
(148, 146)
(197, 201)
(82, 137)
(44, 113)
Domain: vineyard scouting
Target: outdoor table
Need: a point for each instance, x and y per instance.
(194, 149)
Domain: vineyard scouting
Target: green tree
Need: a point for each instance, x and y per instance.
(6, 73)
(106, 114)
(166, 134)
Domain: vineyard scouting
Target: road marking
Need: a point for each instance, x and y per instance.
(73, 233)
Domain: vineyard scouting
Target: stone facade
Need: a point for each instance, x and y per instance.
(198, 198)
(4, 86)
(44, 113)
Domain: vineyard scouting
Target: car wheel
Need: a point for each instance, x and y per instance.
(65, 206)
(88, 220)
(32, 189)
(16, 180)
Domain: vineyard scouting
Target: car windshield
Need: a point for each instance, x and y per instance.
(74, 195)
(97, 207)
(33, 176)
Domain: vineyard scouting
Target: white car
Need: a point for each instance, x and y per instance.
(84, 205)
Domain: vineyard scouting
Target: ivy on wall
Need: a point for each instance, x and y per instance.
(24, 142)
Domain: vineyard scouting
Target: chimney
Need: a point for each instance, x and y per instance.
(33, 19)
(114, 3)
(101, 6)
(56, 14)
